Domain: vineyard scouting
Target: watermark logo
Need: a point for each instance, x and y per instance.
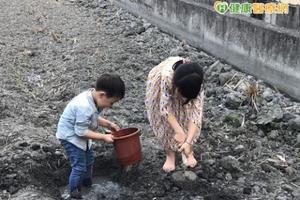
(222, 7)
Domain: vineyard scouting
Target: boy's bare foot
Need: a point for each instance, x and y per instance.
(170, 161)
(191, 161)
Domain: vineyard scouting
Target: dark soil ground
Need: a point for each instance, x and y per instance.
(51, 50)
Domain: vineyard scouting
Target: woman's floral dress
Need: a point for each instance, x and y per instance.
(162, 99)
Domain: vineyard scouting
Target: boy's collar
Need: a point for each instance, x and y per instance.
(96, 106)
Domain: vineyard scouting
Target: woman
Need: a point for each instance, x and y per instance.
(174, 102)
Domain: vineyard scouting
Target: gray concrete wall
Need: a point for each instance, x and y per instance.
(291, 20)
(253, 46)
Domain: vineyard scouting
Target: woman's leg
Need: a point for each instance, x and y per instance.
(170, 161)
(190, 160)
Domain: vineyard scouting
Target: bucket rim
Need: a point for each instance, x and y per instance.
(126, 136)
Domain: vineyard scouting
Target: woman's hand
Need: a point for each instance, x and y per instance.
(186, 148)
(113, 127)
(180, 137)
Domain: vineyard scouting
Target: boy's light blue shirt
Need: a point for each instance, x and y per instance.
(79, 115)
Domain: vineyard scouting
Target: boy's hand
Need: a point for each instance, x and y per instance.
(113, 127)
(108, 138)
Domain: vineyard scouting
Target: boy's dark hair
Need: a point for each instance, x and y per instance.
(112, 84)
(188, 78)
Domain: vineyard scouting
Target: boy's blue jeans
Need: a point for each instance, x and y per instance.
(81, 163)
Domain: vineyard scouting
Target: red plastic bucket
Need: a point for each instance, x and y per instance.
(128, 146)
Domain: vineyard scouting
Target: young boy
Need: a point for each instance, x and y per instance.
(77, 125)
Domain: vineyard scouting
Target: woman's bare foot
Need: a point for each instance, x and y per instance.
(191, 161)
(170, 161)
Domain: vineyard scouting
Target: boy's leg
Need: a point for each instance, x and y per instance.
(87, 179)
(77, 159)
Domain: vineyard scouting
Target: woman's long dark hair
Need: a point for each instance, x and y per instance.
(188, 78)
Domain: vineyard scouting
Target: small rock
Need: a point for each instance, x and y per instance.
(287, 117)
(185, 179)
(110, 190)
(11, 176)
(134, 31)
(175, 189)
(256, 188)
(233, 119)
(197, 198)
(219, 176)
(247, 190)
(241, 181)
(183, 176)
(35, 147)
(261, 133)
(23, 144)
(287, 188)
(17, 157)
(167, 185)
(233, 101)
(239, 148)
(13, 189)
(206, 156)
(298, 140)
(102, 5)
(191, 176)
(294, 124)
(268, 94)
(224, 77)
(29, 53)
(281, 198)
(178, 51)
(19, 151)
(135, 110)
(30, 193)
(38, 156)
(66, 57)
(273, 134)
(296, 194)
(230, 163)
(58, 153)
(242, 87)
(228, 177)
(2, 43)
(277, 162)
(274, 114)
(267, 168)
(210, 92)
(270, 188)
(48, 149)
(178, 177)
(140, 30)
(290, 170)
(146, 25)
(209, 162)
